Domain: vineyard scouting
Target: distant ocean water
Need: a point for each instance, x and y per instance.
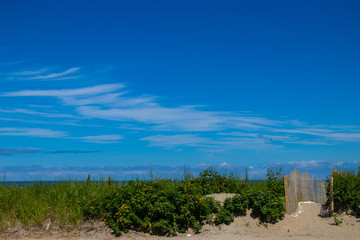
(25, 183)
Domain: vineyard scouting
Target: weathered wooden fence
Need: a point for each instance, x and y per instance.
(300, 187)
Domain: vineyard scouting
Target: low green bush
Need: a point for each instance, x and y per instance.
(238, 204)
(275, 182)
(224, 216)
(161, 208)
(164, 207)
(212, 181)
(346, 191)
(269, 208)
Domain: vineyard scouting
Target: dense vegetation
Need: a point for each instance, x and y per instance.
(159, 207)
(346, 191)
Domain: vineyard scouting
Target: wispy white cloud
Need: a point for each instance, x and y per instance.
(233, 143)
(55, 75)
(306, 164)
(277, 139)
(108, 98)
(130, 127)
(182, 118)
(44, 74)
(344, 136)
(102, 138)
(311, 142)
(25, 73)
(113, 105)
(48, 133)
(209, 144)
(268, 137)
(225, 165)
(338, 134)
(11, 119)
(108, 103)
(73, 151)
(345, 127)
(32, 132)
(244, 130)
(66, 77)
(314, 131)
(318, 136)
(98, 89)
(168, 118)
(170, 141)
(11, 151)
(40, 106)
(62, 122)
(42, 114)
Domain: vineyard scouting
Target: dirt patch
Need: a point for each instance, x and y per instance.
(85, 230)
(221, 196)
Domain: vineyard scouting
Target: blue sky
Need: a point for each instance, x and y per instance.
(122, 85)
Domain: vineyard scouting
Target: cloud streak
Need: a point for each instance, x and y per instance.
(51, 75)
(183, 118)
(66, 92)
(32, 132)
(42, 114)
(73, 151)
(11, 151)
(171, 141)
(210, 144)
(230, 130)
(102, 139)
(25, 73)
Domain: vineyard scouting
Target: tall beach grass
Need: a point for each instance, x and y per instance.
(63, 202)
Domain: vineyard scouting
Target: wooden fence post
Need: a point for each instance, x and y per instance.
(286, 195)
(332, 193)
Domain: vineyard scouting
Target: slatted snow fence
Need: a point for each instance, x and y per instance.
(301, 187)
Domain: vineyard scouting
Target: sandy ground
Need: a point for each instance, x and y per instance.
(307, 225)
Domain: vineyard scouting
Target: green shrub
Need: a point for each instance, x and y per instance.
(211, 181)
(237, 205)
(268, 207)
(346, 191)
(224, 216)
(275, 182)
(160, 208)
(164, 207)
